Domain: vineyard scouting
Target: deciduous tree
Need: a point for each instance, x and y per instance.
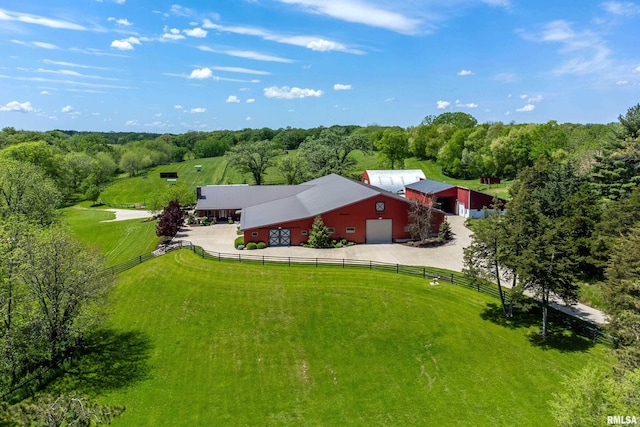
(170, 221)
(331, 151)
(253, 158)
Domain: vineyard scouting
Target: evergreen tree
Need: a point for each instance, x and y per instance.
(319, 235)
(623, 296)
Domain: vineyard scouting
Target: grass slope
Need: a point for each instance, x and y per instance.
(120, 241)
(208, 343)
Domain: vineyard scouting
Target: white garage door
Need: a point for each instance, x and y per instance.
(379, 230)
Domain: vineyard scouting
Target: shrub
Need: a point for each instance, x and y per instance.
(239, 241)
(338, 245)
(240, 247)
(351, 243)
(319, 235)
(251, 246)
(344, 242)
(191, 219)
(204, 221)
(261, 245)
(230, 221)
(446, 233)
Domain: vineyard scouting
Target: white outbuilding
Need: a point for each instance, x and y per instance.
(393, 181)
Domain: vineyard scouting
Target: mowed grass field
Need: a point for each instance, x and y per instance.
(215, 170)
(197, 342)
(120, 241)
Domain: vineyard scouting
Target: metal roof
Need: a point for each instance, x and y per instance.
(317, 197)
(394, 180)
(428, 186)
(240, 196)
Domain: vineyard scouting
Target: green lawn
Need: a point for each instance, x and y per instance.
(120, 241)
(197, 342)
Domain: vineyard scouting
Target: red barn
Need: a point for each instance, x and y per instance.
(452, 198)
(354, 211)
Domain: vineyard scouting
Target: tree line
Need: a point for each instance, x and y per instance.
(52, 290)
(569, 220)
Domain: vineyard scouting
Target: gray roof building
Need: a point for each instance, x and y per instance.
(212, 197)
(316, 197)
(428, 186)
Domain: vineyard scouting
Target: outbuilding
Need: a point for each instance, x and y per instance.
(393, 181)
(453, 199)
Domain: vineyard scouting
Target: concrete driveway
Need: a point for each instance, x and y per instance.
(220, 238)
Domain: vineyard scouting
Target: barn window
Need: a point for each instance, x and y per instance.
(407, 228)
(254, 234)
(351, 230)
(331, 230)
(379, 206)
(303, 232)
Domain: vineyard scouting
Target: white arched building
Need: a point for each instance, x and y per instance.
(393, 181)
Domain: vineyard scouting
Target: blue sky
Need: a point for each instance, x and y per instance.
(167, 66)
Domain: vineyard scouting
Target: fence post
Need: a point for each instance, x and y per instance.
(452, 278)
(342, 262)
(239, 259)
(140, 259)
(397, 268)
(289, 261)
(316, 262)
(370, 265)
(202, 252)
(424, 272)
(262, 259)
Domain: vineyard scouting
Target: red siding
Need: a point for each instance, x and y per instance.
(480, 200)
(365, 178)
(354, 215)
(463, 197)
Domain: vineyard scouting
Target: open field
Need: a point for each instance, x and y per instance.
(120, 241)
(216, 171)
(205, 343)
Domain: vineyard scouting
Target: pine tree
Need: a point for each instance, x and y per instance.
(319, 235)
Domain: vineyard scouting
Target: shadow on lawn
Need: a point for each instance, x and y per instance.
(559, 337)
(110, 360)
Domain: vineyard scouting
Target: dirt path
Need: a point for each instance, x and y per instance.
(125, 214)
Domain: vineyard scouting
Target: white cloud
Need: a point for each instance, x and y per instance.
(242, 70)
(70, 64)
(21, 107)
(172, 34)
(465, 73)
(196, 32)
(315, 43)
(524, 96)
(360, 12)
(247, 54)
(124, 22)
(466, 105)
(250, 101)
(45, 92)
(443, 105)
(67, 109)
(535, 99)
(248, 118)
(46, 45)
(178, 107)
(636, 70)
(198, 110)
(7, 15)
(392, 99)
(125, 44)
(286, 92)
(498, 3)
(201, 73)
(621, 8)
(131, 123)
(232, 99)
(585, 52)
(339, 86)
(622, 82)
(526, 108)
